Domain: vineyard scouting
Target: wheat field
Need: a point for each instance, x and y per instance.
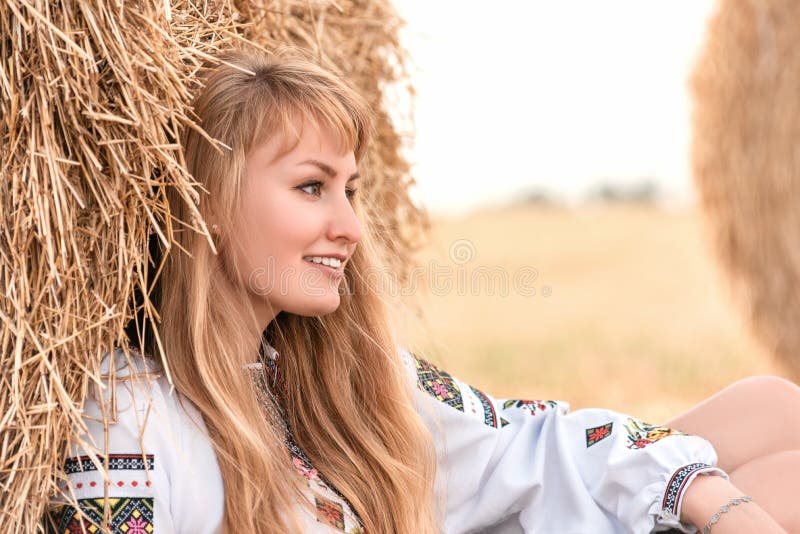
(629, 310)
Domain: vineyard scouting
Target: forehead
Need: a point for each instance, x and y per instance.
(287, 131)
(301, 141)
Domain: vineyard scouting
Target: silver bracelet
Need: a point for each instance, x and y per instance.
(723, 509)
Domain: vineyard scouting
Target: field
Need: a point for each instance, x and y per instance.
(630, 310)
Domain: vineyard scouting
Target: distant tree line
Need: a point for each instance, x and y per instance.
(643, 191)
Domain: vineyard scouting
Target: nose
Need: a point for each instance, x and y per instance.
(344, 223)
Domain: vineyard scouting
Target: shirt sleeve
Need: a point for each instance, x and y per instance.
(161, 467)
(535, 467)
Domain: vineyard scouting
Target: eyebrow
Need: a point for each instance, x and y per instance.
(327, 169)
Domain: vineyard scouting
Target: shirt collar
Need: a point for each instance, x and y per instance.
(270, 351)
(267, 351)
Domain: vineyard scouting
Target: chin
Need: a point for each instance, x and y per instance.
(317, 307)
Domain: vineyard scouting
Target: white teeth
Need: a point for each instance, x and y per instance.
(331, 262)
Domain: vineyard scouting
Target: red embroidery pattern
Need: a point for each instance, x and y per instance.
(598, 433)
(535, 406)
(330, 513)
(93, 483)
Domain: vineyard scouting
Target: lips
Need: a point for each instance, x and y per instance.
(331, 262)
(336, 272)
(340, 257)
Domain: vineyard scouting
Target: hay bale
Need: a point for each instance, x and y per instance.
(746, 162)
(93, 99)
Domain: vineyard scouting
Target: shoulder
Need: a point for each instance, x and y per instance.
(147, 444)
(134, 393)
(134, 405)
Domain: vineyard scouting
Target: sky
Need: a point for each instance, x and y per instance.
(558, 94)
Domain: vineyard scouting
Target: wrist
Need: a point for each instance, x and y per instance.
(704, 497)
(707, 496)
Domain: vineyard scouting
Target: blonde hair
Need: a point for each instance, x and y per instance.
(343, 387)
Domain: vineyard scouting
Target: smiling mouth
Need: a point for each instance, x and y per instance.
(333, 263)
(336, 273)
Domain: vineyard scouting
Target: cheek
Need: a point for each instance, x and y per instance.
(279, 228)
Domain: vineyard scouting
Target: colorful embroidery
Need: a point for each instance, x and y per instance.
(439, 384)
(303, 464)
(489, 415)
(304, 468)
(330, 512)
(641, 434)
(677, 485)
(300, 461)
(116, 462)
(127, 515)
(598, 433)
(535, 406)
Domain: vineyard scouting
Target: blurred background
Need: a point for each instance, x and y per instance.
(551, 148)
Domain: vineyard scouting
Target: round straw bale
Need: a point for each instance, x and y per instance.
(746, 162)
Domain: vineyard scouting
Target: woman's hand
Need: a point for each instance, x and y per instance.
(708, 493)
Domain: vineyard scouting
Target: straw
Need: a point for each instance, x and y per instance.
(746, 163)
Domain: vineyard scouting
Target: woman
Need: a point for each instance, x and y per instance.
(297, 411)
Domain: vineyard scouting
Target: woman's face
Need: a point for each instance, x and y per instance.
(296, 206)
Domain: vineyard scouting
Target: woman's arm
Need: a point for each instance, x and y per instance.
(705, 497)
(550, 470)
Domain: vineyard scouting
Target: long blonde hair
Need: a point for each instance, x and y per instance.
(343, 387)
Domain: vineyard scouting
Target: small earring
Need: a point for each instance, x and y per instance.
(215, 227)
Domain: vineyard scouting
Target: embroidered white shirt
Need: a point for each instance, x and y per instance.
(504, 465)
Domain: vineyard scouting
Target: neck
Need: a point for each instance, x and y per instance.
(264, 311)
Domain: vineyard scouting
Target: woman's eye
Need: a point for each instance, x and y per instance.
(313, 188)
(313, 185)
